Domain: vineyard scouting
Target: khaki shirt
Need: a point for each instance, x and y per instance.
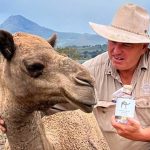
(107, 82)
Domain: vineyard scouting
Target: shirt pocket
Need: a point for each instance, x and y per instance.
(143, 111)
(103, 111)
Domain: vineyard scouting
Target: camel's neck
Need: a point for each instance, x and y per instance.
(24, 128)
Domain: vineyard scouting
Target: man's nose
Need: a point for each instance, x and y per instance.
(117, 49)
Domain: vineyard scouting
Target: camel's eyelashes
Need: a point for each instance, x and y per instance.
(35, 70)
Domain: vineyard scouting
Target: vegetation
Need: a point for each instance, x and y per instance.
(70, 52)
(82, 52)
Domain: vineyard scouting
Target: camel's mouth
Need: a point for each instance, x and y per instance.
(67, 106)
(88, 108)
(70, 101)
(73, 106)
(85, 102)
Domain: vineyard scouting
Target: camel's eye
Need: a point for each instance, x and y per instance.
(35, 70)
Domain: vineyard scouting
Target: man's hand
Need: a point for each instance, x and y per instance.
(132, 130)
(2, 125)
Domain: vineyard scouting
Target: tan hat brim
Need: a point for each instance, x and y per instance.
(118, 35)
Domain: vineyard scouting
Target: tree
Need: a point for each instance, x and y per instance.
(70, 52)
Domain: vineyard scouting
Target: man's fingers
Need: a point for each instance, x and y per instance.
(2, 129)
(2, 125)
(1, 122)
(133, 122)
(116, 125)
(113, 121)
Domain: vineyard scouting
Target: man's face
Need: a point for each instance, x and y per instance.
(125, 56)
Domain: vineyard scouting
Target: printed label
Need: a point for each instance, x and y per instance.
(125, 108)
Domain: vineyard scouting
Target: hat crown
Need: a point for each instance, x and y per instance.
(132, 18)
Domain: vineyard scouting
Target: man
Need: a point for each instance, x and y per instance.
(127, 62)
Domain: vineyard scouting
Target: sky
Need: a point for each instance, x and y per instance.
(66, 15)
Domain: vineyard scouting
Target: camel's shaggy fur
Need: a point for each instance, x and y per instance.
(33, 78)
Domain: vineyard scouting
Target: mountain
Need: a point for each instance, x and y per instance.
(19, 23)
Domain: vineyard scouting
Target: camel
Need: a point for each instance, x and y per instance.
(35, 78)
(124, 104)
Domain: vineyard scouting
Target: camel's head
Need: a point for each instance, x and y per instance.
(36, 74)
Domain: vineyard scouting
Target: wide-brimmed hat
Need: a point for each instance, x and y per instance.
(129, 25)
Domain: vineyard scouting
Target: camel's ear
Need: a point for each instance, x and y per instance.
(7, 46)
(52, 40)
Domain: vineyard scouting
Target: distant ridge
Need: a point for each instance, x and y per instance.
(18, 23)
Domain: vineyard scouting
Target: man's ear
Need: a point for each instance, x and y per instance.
(52, 40)
(145, 47)
(7, 46)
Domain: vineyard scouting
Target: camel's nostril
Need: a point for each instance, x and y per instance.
(84, 81)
